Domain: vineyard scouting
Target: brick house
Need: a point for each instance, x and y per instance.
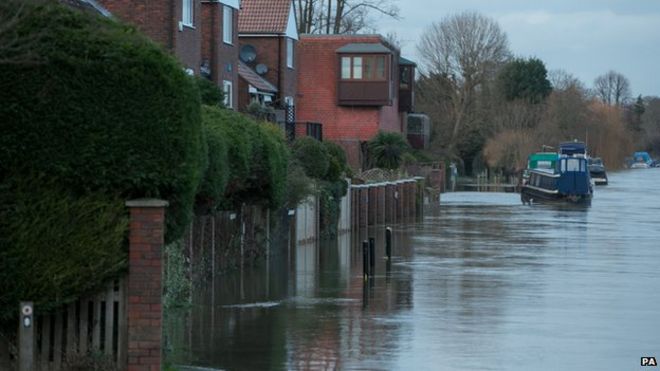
(268, 37)
(195, 31)
(355, 85)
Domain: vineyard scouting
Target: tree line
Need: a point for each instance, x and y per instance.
(491, 109)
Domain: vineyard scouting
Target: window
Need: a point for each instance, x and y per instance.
(573, 164)
(187, 13)
(289, 53)
(227, 25)
(368, 67)
(227, 89)
(404, 78)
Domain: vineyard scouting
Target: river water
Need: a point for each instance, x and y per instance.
(482, 283)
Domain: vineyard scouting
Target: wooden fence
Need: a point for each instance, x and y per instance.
(87, 334)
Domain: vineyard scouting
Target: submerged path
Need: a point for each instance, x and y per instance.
(483, 283)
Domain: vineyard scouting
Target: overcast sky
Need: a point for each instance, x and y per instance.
(584, 37)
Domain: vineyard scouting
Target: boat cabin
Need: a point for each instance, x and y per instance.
(574, 175)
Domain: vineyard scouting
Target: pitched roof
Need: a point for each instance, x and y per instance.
(255, 80)
(264, 16)
(406, 62)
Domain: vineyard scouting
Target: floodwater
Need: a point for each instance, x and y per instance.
(483, 283)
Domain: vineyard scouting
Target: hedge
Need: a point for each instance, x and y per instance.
(212, 189)
(257, 157)
(54, 246)
(104, 111)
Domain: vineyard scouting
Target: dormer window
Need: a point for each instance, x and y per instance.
(364, 67)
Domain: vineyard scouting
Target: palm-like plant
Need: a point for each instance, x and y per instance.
(387, 150)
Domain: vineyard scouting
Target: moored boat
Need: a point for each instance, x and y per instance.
(641, 160)
(597, 171)
(568, 181)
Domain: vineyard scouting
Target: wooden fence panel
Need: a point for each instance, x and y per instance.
(95, 324)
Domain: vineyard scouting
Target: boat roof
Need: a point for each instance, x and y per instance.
(543, 156)
(571, 148)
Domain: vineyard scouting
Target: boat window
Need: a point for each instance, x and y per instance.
(544, 164)
(563, 166)
(573, 164)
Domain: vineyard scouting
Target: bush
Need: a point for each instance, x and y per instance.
(210, 93)
(312, 156)
(387, 149)
(55, 246)
(212, 189)
(106, 111)
(257, 158)
(337, 164)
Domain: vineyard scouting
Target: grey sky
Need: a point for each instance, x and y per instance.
(584, 37)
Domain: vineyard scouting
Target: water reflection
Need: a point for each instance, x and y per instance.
(482, 283)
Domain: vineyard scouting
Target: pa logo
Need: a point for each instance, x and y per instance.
(649, 361)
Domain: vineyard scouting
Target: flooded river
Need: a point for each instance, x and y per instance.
(483, 283)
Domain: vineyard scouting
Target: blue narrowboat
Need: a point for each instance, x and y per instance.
(568, 181)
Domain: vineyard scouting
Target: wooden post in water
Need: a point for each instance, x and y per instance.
(372, 255)
(26, 337)
(365, 259)
(388, 243)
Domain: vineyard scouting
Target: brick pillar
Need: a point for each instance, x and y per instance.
(145, 273)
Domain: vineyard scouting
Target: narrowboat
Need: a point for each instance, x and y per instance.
(539, 160)
(597, 171)
(568, 181)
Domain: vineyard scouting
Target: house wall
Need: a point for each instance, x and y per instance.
(317, 97)
(222, 57)
(160, 21)
(271, 51)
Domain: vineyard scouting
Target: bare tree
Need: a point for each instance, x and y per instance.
(563, 80)
(16, 45)
(461, 53)
(341, 16)
(612, 88)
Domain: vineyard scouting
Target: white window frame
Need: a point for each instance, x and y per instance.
(187, 13)
(227, 25)
(228, 89)
(289, 53)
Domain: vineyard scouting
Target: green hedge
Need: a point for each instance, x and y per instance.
(55, 246)
(257, 157)
(212, 189)
(105, 110)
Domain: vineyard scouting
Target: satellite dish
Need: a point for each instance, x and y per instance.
(248, 53)
(261, 69)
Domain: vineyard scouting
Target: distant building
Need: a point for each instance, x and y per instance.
(268, 38)
(354, 85)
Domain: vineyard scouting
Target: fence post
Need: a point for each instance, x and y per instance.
(26, 337)
(144, 308)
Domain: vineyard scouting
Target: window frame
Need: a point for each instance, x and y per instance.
(227, 26)
(290, 53)
(367, 65)
(188, 13)
(229, 93)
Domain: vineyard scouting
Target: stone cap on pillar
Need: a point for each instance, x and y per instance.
(147, 202)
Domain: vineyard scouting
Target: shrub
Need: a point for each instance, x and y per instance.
(337, 164)
(212, 189)
(312, 156)
(210, 93)
(105, 111)
(387, 149)
(257, 158)
(55, 246)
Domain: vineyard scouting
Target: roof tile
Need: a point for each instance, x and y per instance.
(264, 16)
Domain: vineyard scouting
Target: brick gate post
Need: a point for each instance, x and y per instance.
(145, 275)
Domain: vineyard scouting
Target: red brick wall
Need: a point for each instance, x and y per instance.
(160, 21)
(271, 51)
(318, 73)
(222, 57)
(144, 306)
